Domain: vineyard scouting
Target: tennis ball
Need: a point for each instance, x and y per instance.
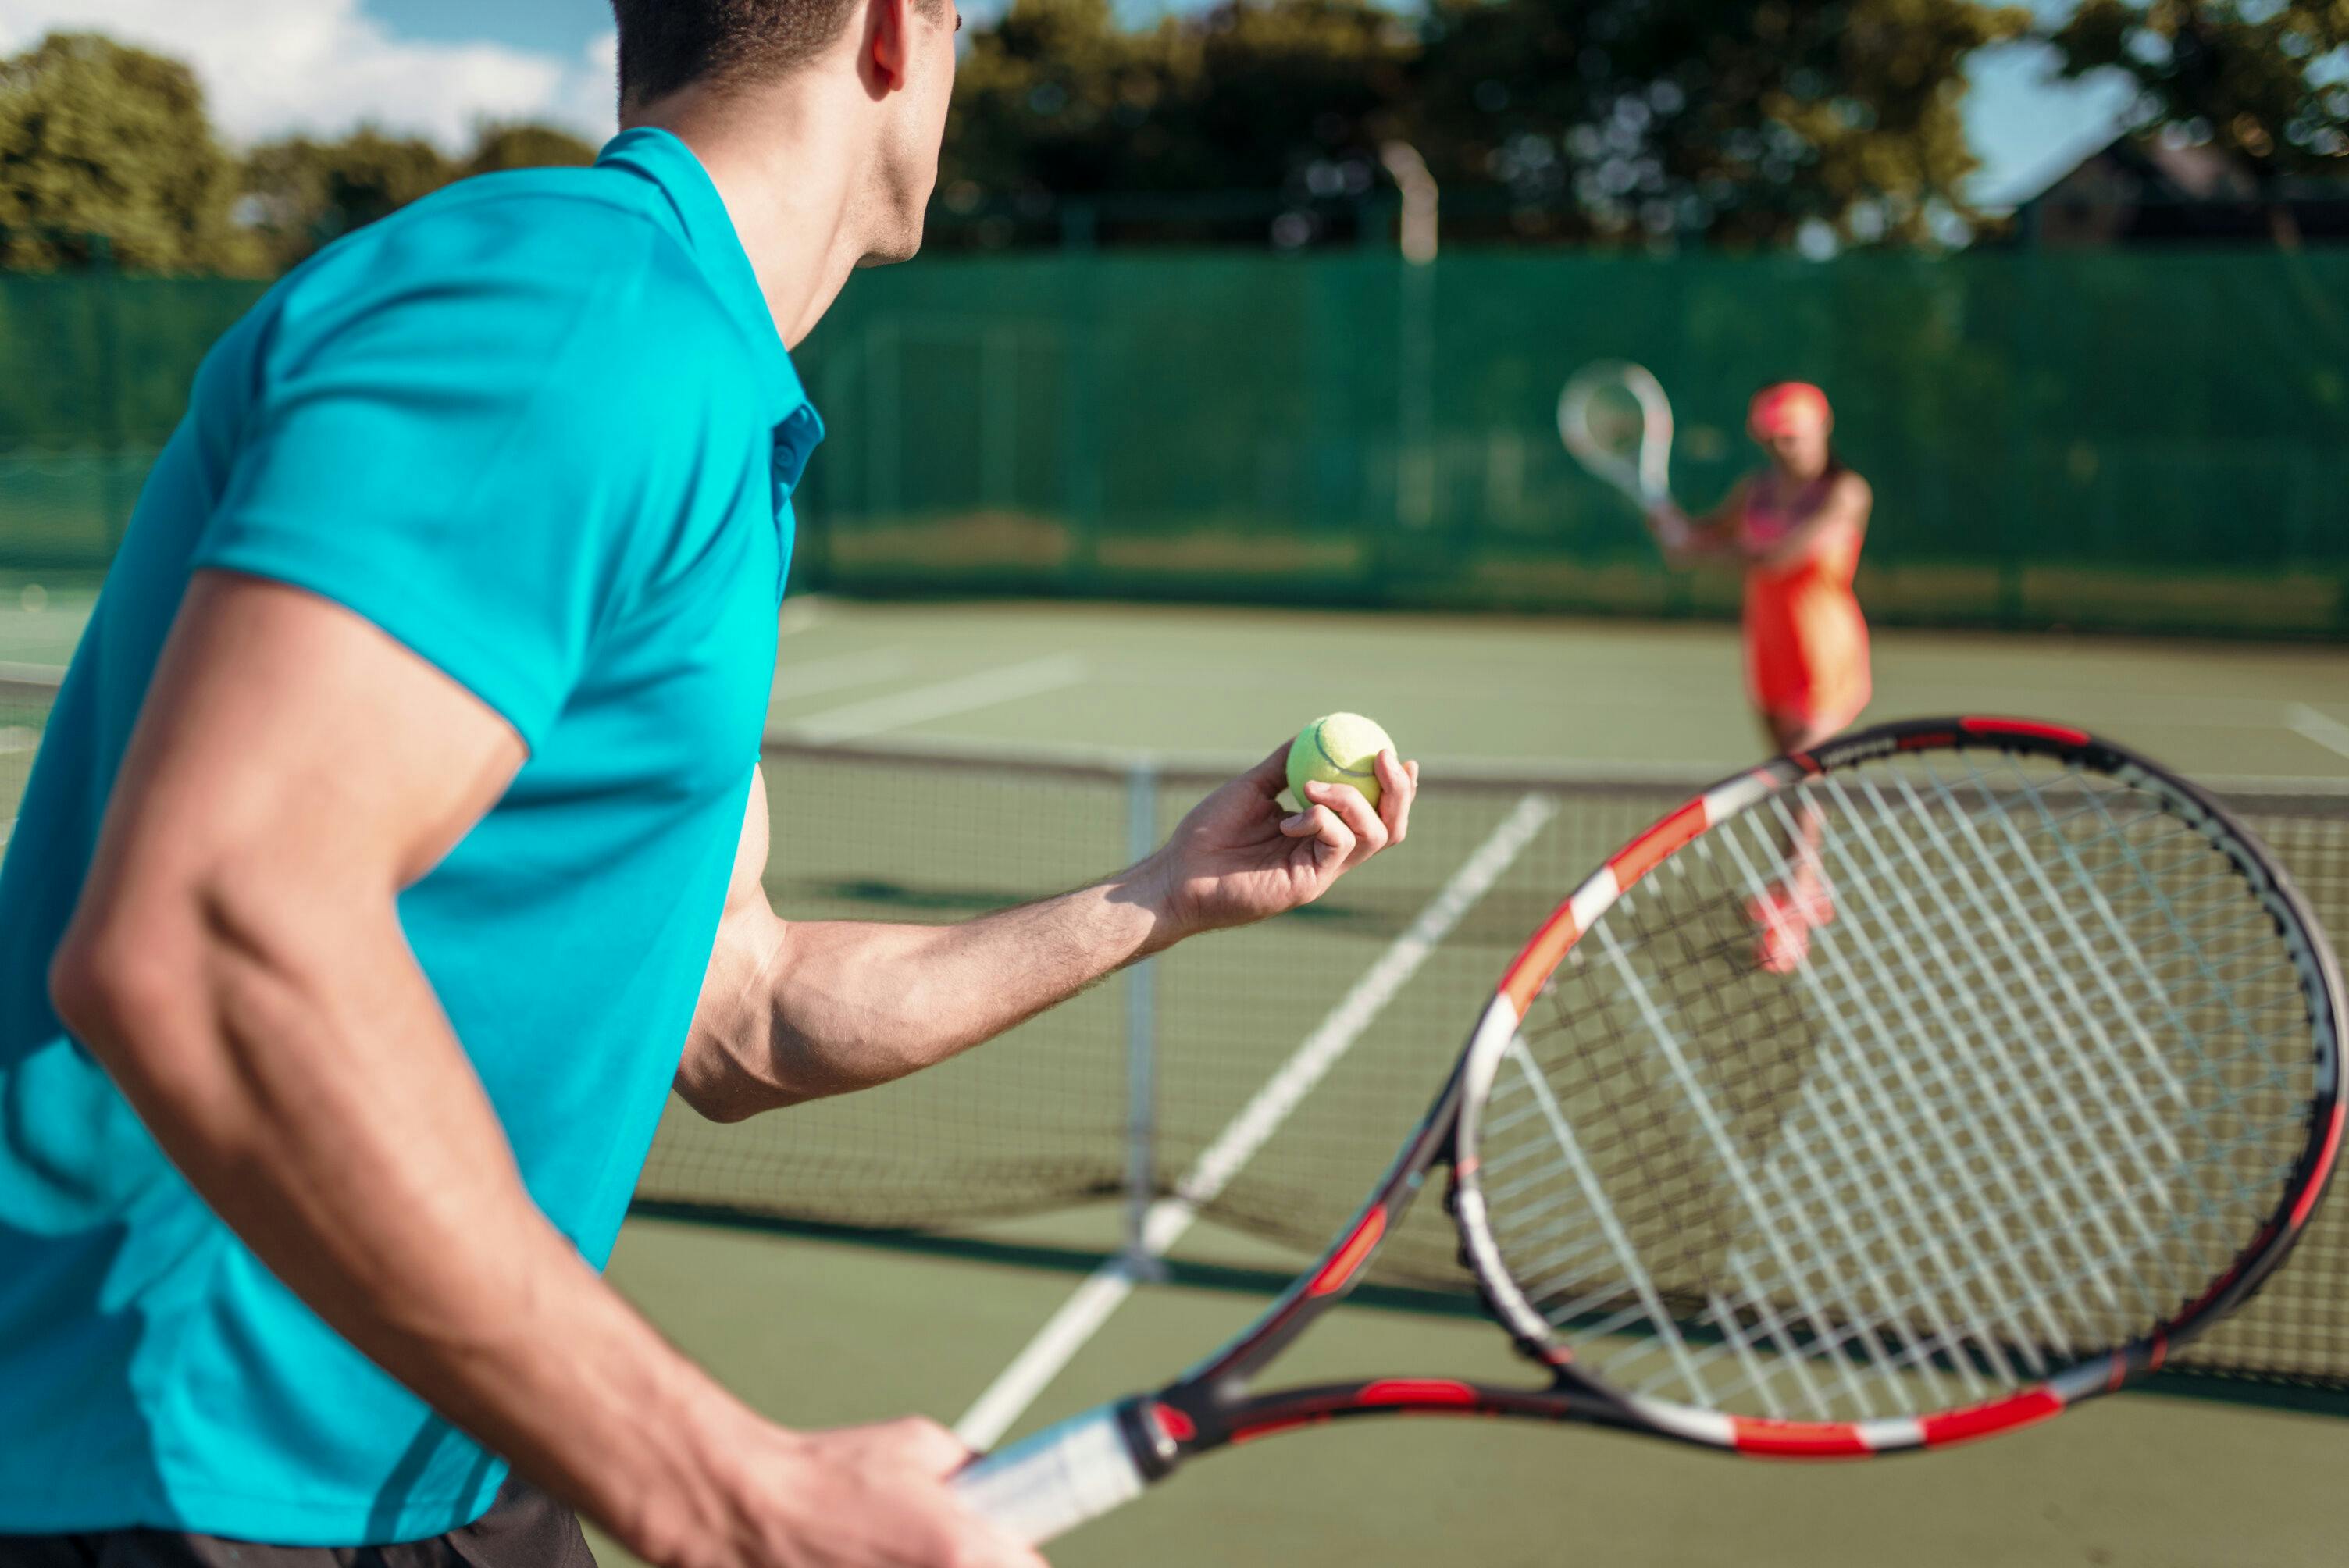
(1338, 749)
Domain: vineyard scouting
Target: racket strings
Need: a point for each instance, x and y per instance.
(1615, 420)
(2127, 836)
(2110, 1178)
(2033, 1085)
(1614, 423)
(2128, 1001)
(2102, 985)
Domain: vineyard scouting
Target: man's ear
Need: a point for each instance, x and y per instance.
(886, 43)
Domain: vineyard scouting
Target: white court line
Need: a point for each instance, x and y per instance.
(898, 710)
(2326, 731)
(31, 674)
(1081, 1317)
(819, 675)
(800, 611)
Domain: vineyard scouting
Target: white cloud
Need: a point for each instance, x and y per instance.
(273, 67)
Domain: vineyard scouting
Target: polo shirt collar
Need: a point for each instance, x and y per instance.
(661, 158)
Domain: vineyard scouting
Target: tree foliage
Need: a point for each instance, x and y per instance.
(1733, 120)
(97, 139)
(2266, 80)
(1715, 119)
(301, 194)
(498, 147)
(1640, 120)
(1253, 95)
(108, 148)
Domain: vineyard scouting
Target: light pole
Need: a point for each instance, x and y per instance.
(1415, 374)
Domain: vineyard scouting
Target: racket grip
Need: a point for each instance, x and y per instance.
(1048, 1484)
(1670, 524)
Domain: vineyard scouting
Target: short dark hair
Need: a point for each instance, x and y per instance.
(665, 45)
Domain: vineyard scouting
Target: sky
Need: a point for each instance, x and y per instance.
(441, 66)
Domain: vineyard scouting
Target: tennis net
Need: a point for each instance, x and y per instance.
(1045, 1118)
(26, 693)
(1049, 1117)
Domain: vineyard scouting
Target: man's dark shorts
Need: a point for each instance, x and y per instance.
(524, 1528)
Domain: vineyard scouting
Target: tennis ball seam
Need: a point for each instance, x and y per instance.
(1324, 751)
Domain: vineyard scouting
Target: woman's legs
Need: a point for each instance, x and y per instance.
(1799, 902)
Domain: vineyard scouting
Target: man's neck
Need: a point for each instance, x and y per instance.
(786, 165)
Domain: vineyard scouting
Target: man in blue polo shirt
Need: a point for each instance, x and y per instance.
(395, 848)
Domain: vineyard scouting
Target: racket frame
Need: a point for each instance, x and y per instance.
(1214, 1406)
(2096, 1375)
(1647, 478)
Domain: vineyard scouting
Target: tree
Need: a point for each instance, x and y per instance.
(301, 194)
(1056, 97)
(1737, 120)
(1298, 91)
(2262, 80)
(1724, 120)
(98, 139)
(497, 148)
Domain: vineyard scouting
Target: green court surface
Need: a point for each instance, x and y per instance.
(816, 1333)
(823, 1329)
(1615, 693)
(818, 1330)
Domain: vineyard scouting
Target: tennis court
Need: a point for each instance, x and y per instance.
(933, 758)
(1264, 361)
(821, 1328)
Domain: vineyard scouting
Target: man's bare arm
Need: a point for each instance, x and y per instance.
(236, 963)
(795, 1010)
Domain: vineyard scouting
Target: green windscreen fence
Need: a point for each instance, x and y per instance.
(2154, 441)
(94, 373)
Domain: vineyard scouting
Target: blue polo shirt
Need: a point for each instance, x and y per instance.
(540, 430)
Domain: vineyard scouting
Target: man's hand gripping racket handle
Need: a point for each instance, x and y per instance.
(1048, 1484)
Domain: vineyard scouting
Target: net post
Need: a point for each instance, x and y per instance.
(1141, 1041)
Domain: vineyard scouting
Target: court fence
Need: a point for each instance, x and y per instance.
(2133, 440)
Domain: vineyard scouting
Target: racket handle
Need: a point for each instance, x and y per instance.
(1670, 524)
(1048, 1484)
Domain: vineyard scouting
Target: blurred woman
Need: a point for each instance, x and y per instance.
(1797, 526)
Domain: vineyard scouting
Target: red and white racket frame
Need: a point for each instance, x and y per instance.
(1095, 1461)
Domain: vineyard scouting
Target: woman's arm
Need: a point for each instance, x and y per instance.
(1710, 533)
(1842, 512)
(792, 1011)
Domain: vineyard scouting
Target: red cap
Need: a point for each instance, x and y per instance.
(1785, 407)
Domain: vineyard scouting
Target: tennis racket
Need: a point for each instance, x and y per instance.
(2051, 1086)
(1614, 418)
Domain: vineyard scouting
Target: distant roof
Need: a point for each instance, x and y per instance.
(2138, 189)
(2156, 169)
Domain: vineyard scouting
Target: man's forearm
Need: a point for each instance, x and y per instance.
(825, 1007)
(296, 1067)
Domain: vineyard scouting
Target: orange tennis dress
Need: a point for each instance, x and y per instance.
(1805, 641)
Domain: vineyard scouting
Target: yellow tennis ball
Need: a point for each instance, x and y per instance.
(1338, 749)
